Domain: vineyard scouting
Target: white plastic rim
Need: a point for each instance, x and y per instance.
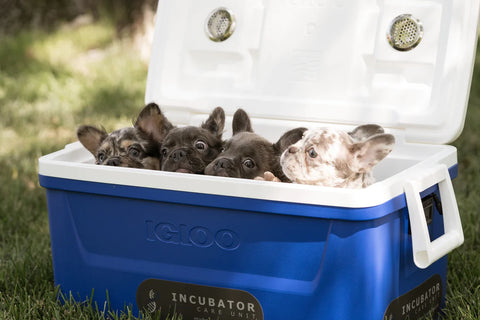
(76, 163)
(425, 251)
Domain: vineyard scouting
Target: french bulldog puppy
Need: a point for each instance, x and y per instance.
(190, 149)
(335, 158)
(248, 155)
(135, 147)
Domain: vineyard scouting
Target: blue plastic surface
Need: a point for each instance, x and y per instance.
(300, 261)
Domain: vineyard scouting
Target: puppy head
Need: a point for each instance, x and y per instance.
(190, 149)
(245, 155)
(248, 155)
(335, 158)
(135, 147)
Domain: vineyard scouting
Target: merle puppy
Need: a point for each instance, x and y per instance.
(190, 149)
(335, 158)
(248, 155)
(135, 147)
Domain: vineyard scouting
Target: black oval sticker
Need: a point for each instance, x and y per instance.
(196, 302)
(418, 302)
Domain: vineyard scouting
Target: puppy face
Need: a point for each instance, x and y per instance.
(190, 149)
(135, 147)
(335, 158)
(248, 155)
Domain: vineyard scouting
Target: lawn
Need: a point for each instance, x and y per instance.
(52, 82)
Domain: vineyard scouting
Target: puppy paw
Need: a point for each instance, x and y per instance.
(268, 176)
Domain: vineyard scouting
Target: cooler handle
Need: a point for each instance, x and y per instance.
(426, 252)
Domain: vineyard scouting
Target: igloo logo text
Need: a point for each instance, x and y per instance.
(187, 235)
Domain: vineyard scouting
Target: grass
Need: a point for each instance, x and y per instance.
(463, 295)
(50, 83)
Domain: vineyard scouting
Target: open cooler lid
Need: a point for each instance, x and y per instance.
(404, 64)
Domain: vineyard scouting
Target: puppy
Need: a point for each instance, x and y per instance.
(334, 158)
(248, 155)
(135, 147)
(190, 149)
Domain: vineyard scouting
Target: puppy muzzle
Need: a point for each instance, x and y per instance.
(221, 167)
(223, 163)
(183, 160)
(113, 161)
(178, 155)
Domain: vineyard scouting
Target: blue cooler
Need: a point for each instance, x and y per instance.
(224, 248)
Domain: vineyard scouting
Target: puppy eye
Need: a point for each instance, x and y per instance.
(200, 145)
(312, 153)
(164, 152)
(249, 163)
(134, 152)
(101, 157)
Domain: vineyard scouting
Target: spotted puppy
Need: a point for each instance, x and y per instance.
(190, 149)
(135, 147)
(335, 158)
(248, 155)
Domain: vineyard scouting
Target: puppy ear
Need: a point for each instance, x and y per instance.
(241, 122)
(287, 139)
(362, 132)
(366, 154)
(91, 137)
(215, 122)
(152, 121)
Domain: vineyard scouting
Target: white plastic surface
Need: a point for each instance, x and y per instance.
(425, 251)
(319, 62)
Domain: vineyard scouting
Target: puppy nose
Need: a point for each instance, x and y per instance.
(292, 149)
(222, 164)
(113, 162)
(178, 155)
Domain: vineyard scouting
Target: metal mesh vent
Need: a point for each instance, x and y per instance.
(405, 32)
(220, 24)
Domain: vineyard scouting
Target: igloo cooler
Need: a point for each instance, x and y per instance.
(209, 247)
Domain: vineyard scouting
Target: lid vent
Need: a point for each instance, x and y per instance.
(220, 24)
(405, 32)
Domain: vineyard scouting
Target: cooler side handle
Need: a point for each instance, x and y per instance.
(426, 252)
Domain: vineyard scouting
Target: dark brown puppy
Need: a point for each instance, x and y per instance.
(190, 149)
(248, 155)
(135, 147)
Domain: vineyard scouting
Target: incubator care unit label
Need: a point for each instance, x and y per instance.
(422, 300)
(197, 302)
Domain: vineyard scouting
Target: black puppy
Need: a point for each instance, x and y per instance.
(248, 155)
(190, 149)
(135, 147)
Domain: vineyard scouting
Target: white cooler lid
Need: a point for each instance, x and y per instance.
(319, 61)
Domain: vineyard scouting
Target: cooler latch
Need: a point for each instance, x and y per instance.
(426, 252)
(429, 203)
